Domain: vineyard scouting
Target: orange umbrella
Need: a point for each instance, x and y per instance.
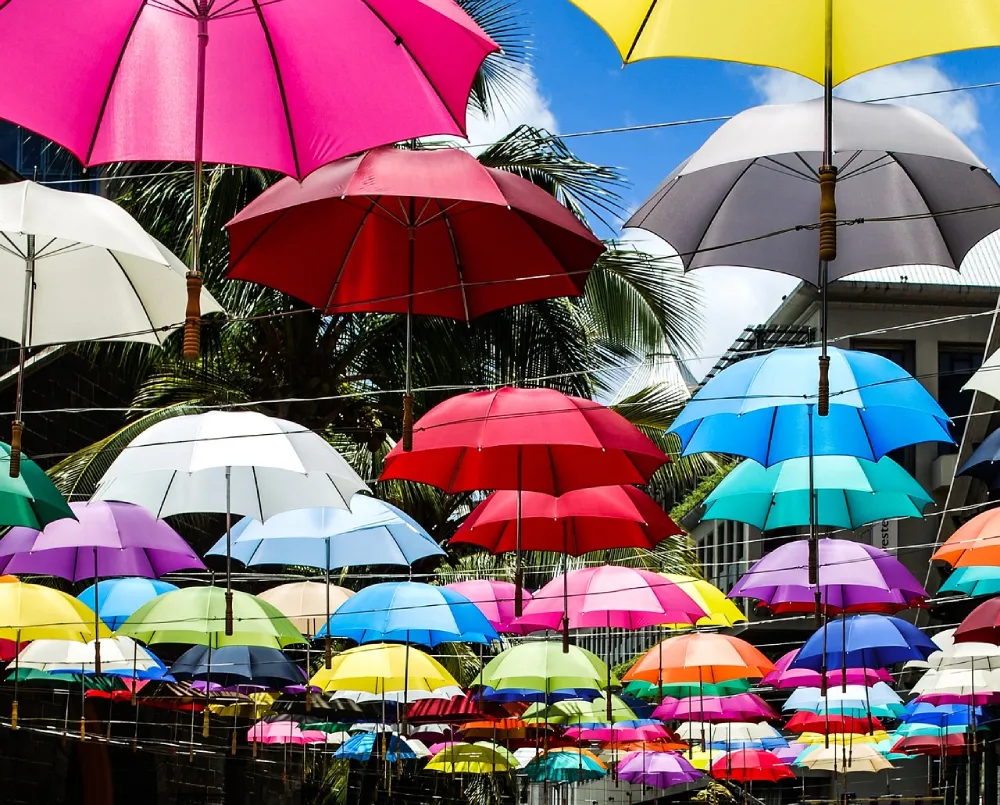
(975, 543)
(702, 658)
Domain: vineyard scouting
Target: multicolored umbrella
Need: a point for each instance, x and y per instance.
(657, 769)
(751, 765)
(701, 658)
(481, 757)
(117, 599)
(495, 599)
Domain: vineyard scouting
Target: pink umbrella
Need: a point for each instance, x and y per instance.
(620, 733)
(441, 746)
(285, 86)
(283, 732)
(783, 677)
(495, 599)
(739, 707)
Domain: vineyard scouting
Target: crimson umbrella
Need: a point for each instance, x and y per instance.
(982, 625)
(432, 232)
(830, 723)
(940, 745)
(749, 765)
(527, 440)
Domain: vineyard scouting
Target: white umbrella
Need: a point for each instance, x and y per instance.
(119, 655)
(410, 696)
(944, 640)
(692, 731)
(77, 267)
(229, 462)
(957, 682)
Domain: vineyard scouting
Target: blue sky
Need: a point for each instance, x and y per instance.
(578, 84)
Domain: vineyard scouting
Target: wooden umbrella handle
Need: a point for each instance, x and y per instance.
(192, 318)
(16, 429)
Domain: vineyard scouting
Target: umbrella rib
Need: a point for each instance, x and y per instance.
(14, 250)
(458, 261)
(142, 304)
(349, 252)
(641, 30)
(772, 164)
(281, 86)
(874, 164)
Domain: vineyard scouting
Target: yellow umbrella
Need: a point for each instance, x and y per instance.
(703, 759)
(861, 758)
(259, 704)
(481, 757)
(383, 668)
(304, 603)
(721, 611)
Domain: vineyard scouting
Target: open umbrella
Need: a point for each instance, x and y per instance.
(973, 581)
(678, 690)
(657, 769)
(30, 499)
(542, 668)
(366, 745)
(863, 641)
(783, 676)
(975, 543)
(624, 732)
(751, 765)
(564, 766)
(933, 745)
(721, 611)
(120, 656)
(826, 723)
(431, 232)
(701, 658)
(116, 599)
(580, 712)
(738, 707)
(481, 757)
(283, 732)
(225, 462)
(231, 666)
(982, 625)
(383, 668)
(860, 758)
(495, 599)
(304, 603)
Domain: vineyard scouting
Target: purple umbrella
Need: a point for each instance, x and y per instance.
(789, 754)
(854, 578)
(740, 707)
(657, 769)
(783, 677)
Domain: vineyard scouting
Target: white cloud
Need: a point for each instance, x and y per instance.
(529, 107)
(956, 110)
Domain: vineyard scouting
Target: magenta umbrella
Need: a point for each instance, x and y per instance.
(495, 599)
(624, 732)
(739, 707)
(783, 677)
(283, 732)
(285, 86)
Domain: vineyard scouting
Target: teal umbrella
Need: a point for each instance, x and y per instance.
(850, 491)
(973, 581)
(565, 766)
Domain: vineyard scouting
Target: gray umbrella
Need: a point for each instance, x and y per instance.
(901, 177)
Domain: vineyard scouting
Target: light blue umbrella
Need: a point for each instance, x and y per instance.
(879, 700)
(409, 612)
(973, 581)
(117, 599)
(361, 747)
(764, 408)
(909, 730)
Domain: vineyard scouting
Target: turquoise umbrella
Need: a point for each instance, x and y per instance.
(565, 766)
(850, 492)
(973, 581)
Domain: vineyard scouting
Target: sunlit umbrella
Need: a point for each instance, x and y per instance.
(657, 769)
(580, 712)
(378, 667)
(565, 766)
(120, 656)
(679, 690)
(541, 667)
(975, 543)
(304, 603)
(117, 599)
(863, 641)
(738, 707)
(700, 658)
(751, 765)
(495, 599)
(481, 757)
(859, 758)
(721, 611)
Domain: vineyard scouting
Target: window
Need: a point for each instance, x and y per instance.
(956, 364)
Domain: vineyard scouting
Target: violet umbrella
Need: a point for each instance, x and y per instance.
(285, 86)
(106, 539)
(657, 769)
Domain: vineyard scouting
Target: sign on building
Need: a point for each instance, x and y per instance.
(882, 534)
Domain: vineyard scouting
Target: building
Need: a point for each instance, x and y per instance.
(34, 157)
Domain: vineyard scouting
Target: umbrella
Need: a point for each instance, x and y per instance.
(849, 492)
(481, 757)
(283, 732)
(407, 611)
(504, 729)
(80, 268)
(982, 625)
(495, 599)
(721, 611)
(941, 715)
(860, 758)
(975, 543)
(304, 603)
(676, 690)
(982, 464)
(379, 667)
(30, 499)
(526, 440)
(431, 232)
(738, 707)
(231, 666)
(455, 710)
(445, 693)
(984, 656)
(657, 769)
(973, 581)
(580, 712)
(229, 461)
(785, 677)
(804, 721)
(854, 578)
(542, 667)
(941, 745)
(362, 747)
(272, 92)
(863, 641)
(700, 658)
(957, 685)
(625, 732)
(117, 599)
(120, 656)
(702, 759)
(561, 766)
(735, 732)
(197, 616)
(751, 765)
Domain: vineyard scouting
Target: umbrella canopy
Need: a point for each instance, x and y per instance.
(409, 612)
(304, 603)
(117, 599)
(864, 641)
(576, 523)
(721, 611)
(763, 408)
(983, 463)
(805, 721)
(283, 732)
(735, 732)
(541, 666)
(565, 766)
(104, 539)
(850, 492)
(372, 532)
(503, 729)
(975, 543)
(481, 757)
(120, 656)
(970, 655)
(625, 732)
(30, 499)
(891, 161)
(364, 746)
(700, 658)
(854, 577)
(982, 625)
(860, 758)
(536, 440)
(784, 676)
(495, 599)
(457, 709)
(230, 666)
(933, 745)
(973, 581)
(379, 667)
(738, 707)
(958, 685)
(610, 596)
(580, 712)
(679, 690)
(284, 89)
(941, 715)
(751, 765)
(657, 769)
(32, 612)
(431, 232)
(197, 615)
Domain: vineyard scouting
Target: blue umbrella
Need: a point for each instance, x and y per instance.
(231, 666)
(973, 581)
(362, 746)
(864, 641)
(373, 532)
(984, 463)
(409, 612)
(117, 599)
(761, 408)
(941, 715)
(531, 696)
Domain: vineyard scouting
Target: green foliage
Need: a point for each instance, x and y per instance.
(694, 498)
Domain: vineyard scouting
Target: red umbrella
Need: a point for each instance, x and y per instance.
(982, 625)
(940, 745)
(804, 721)
(430, 232)
(751, 765)
(456, 710)
(575, 523)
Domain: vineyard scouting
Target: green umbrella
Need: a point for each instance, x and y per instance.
(31, 499)
(197, 615)
(543, 667)
(565, 766)
(973, 581)
(574, 712)
(681, 690)
(36, 676)
(850, 492)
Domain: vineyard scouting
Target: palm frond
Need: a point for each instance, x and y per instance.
(499, 81)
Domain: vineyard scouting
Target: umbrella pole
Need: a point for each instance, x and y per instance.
(192, 312)
(518, 573)
(608, 658)
(17, 673)
(328, 649)
(135, 669)
(229, 552)
(408, 385)
(17, 425)
(813, 536)
(827, 213)
(208, 695)
(97, 619)
(565, 631)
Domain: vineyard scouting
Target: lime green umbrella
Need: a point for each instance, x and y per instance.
(575, 712)
(680, 690)
(31, 499)
(542, 667)
(197, 616)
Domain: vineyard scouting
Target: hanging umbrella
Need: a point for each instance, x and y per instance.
(503, 729)
(791, 753)
(982, 464)
(958, 685)
(378, 667)
(984, 656)
(721, 611)
(580, 712)
(805, 721)
(543, 668)
(30, 499)
(736, 732)
(933, 745)
(701, 658)
(679, 690)
(366, 745)
(431, 232)
(941, 715)
(117, 599)
(624, 732)
(225, 462)
(854, 578)
(860, 758)
(751, 765)
(975, 543)
(230, 666)
(481, 757)
(304, 603)
(197, 616)
(657, 769)
(495, 599)
(702, 759)
(398, 697)
(738, 707)
(285, 732)
(973, 581)
(455, 710)
(408, 612)
(784, 676)
(272, 92)
(982, 625)
(849, 493)
(120, 656)
(863, 641)
(555, 766)
(526, 440)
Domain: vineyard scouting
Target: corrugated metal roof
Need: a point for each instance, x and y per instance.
(980, 269)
